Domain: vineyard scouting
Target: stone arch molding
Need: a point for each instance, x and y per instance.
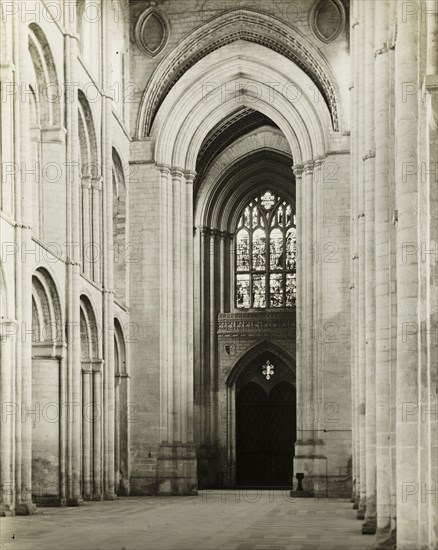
(248, 357)
(246, 71)
(227, 28)
(46, 87)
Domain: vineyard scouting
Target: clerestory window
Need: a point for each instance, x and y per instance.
(266, 252)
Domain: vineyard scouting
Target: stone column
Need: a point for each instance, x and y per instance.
(188, 435)
(7, 330)
(97, 252)
(408, 348)
(23, 213)
(85, 235)
(354, 285)
(369, 526)
(300, 342)
(309, 320)
(385, 536)
(98, 420)
(74, 494)
(107, 247)
(362, 266)
(87, 429)
(176, 472)
(212, 391)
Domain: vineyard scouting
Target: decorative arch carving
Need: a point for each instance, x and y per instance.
(88, 330)
(229, 27)
(48, 91)
(47, 326)
(248, 357)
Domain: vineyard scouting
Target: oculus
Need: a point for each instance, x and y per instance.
(151, 32)
(327, 19)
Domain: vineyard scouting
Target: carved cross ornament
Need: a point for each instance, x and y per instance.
(268, 370)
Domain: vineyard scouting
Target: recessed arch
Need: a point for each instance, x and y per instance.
(248, 356)
(48, 93)
(238, 25)
(46, 309)
(178, 134)
(89, 330)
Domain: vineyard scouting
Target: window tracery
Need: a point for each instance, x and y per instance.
(266, 253)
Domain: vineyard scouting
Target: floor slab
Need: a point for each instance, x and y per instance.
(213, 520)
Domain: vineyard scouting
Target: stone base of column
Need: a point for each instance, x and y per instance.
(5, 510)
(48, 501)
(360, 514)
(209, 473)
(385, 538)
(369, 527)
(177, 470)
(26, 509)
(75, 501)
(110, 496)
(356, 502)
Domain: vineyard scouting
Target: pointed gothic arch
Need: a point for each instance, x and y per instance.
(244, 25)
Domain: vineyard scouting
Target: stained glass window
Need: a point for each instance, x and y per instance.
(266, 254)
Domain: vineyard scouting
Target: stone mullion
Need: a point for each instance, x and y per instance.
(175, 267)
(369, 526)
(362, 266)
(355, 29)
(408, 348)
(310, 329)
(164, 350)
(384, 535)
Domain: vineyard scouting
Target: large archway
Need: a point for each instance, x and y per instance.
(238, 103)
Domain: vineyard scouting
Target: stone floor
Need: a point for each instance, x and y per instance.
(213, 520)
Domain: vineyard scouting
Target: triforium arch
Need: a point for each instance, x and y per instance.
(45, 133)
(48, 384)
(181, 140)
(90, 192)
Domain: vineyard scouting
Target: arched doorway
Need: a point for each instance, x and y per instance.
(265, 423)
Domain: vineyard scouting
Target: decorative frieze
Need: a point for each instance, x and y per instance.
(255, 322)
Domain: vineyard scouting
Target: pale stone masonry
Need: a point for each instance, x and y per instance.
(134, 136)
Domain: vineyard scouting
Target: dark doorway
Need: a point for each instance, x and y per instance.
(265, 434)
